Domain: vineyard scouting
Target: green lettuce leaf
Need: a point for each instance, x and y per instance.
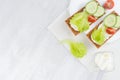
(98, 35)
(77, 49)
(80, 20)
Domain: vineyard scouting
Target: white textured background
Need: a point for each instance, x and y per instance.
(28, 51)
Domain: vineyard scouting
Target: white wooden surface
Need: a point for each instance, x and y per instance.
(28, 51)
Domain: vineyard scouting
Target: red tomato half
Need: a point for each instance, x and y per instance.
(91, 19)
(109, 4)
(110, 31)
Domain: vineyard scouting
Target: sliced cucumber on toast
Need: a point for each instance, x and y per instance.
(91, 7)
(110, 20)
(100, 11)
(117, 25)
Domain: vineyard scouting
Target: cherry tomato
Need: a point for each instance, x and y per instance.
(109, 4)
(91, 19)
(110, 31)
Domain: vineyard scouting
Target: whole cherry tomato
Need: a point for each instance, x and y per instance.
(109, 4)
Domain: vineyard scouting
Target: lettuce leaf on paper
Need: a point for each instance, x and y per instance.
(80, 20)
(98, 35)
(77, 49)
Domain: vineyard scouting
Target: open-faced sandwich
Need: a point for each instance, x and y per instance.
(105, 29)
(81, 20)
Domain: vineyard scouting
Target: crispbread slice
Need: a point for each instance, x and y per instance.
(89, 34)
(68, 20)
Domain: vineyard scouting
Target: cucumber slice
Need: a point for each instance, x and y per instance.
(100, 11)
(110, 20)
(91, 7)
(117, 25)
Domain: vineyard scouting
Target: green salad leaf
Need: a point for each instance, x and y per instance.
(77, 49)
(98, 35)
(80, 20)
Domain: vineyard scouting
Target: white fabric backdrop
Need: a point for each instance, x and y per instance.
(28, 51)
